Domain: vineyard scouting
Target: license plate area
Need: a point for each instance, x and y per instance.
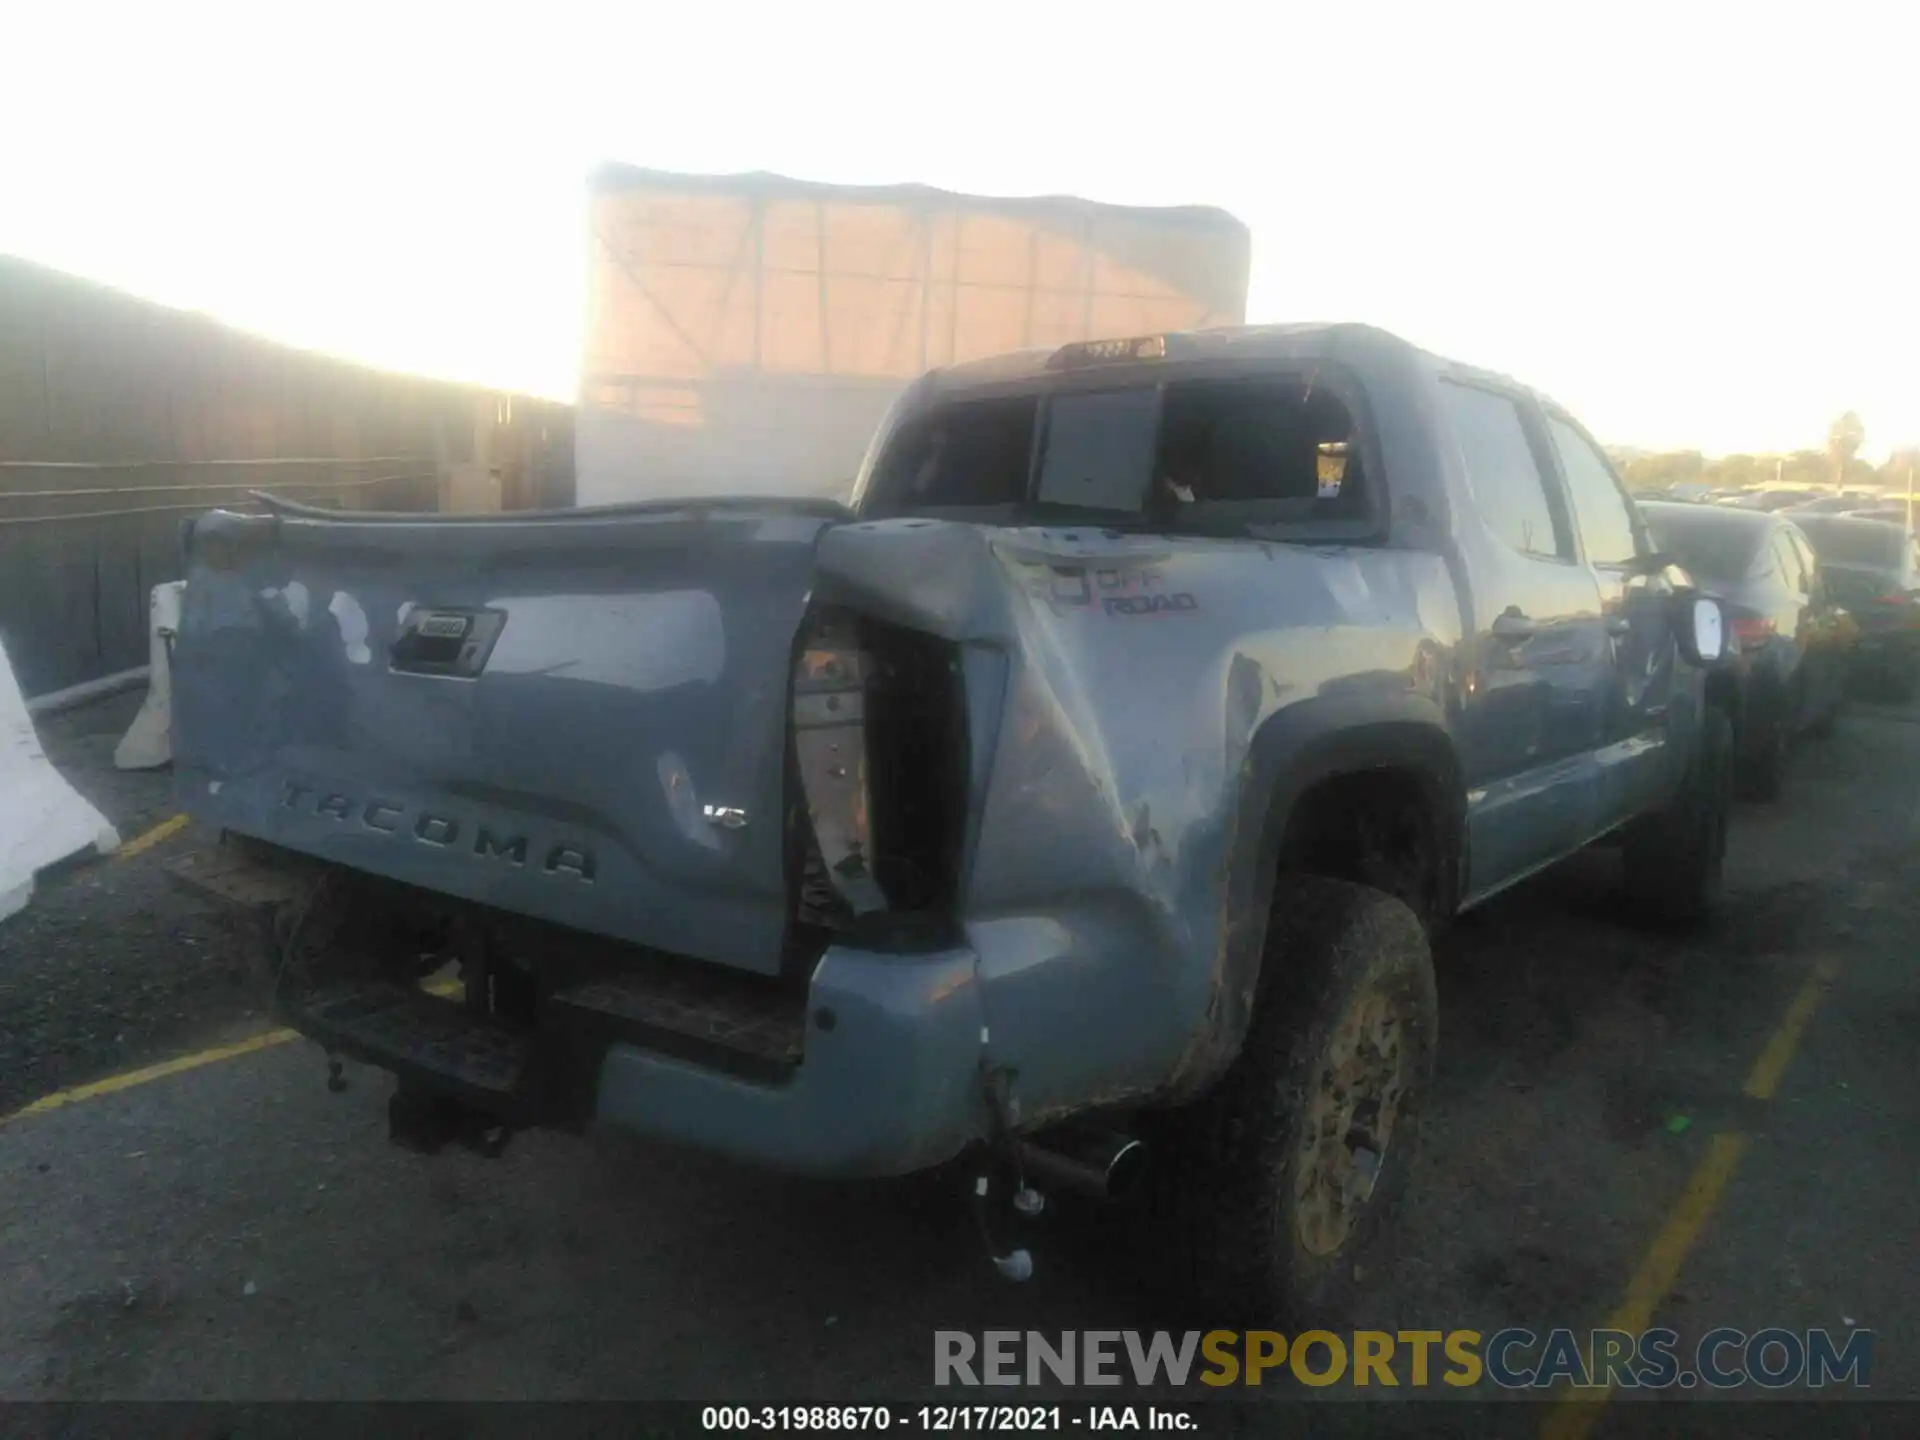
(450, 643)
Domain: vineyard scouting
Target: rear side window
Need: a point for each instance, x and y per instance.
(1508, 488)
(1599, 504)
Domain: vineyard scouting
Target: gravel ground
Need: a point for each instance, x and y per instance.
(109, 967)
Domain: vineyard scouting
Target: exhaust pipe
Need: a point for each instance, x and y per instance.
(1103, 1164)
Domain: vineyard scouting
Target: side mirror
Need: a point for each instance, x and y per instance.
(1700, 629)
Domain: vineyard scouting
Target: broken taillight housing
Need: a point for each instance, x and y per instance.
(880, 751)
(830, 751)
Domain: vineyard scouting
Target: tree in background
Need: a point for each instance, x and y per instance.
(1658, 472)
(1838, 466)
(1742, 471)
(1844, 438)
(1806, 467)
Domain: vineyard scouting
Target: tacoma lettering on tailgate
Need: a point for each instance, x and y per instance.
(443, 832)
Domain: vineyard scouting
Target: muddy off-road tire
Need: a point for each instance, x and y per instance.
(1675, 857)
(1267, 1192)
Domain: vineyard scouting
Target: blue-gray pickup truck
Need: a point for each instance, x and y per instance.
(1080, 798)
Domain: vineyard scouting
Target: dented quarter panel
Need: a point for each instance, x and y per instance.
(1139, 671)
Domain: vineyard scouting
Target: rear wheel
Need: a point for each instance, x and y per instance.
(1268, 1190)
(1675, 857)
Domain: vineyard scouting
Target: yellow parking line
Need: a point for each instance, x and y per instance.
(113, 1084)
(165, 830)
(1764, 1079)
(1660, 1266)
(1576, 1411)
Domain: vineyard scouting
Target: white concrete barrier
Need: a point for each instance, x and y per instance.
(42, 818)
(148, 743)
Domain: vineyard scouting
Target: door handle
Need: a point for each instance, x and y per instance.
(1514, 626)
(1618, 625)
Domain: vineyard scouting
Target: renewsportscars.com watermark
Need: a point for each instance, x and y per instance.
(1512, 1359)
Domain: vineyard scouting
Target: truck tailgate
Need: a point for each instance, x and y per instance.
(581, 717)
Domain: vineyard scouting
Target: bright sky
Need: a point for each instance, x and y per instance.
(1696, 224)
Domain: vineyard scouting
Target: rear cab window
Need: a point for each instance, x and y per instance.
(969, 455)
(1278, 450)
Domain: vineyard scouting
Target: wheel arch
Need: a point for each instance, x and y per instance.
(1292, 755)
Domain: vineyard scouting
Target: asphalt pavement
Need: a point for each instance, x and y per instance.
(233, 1231)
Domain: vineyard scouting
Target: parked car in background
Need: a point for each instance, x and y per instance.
(1885, 514)
(1843, 503)
(1793, 637)
(1767, 500)
(1776, 500)
(1873, 568)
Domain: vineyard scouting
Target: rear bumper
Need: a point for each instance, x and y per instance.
(889, 1077)
(891, 1082)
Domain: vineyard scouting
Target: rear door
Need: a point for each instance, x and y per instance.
(1631, 759)
(1531, 716)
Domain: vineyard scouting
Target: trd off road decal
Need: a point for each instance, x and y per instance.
(1121, 593)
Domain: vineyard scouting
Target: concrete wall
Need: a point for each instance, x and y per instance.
(119, 418)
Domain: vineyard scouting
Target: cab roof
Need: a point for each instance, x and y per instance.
(1226, 344)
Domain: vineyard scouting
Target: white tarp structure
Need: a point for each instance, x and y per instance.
(43, 820)
(148, 743)
(745, 334)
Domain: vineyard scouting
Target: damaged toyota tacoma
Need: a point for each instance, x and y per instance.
(1081, 797)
